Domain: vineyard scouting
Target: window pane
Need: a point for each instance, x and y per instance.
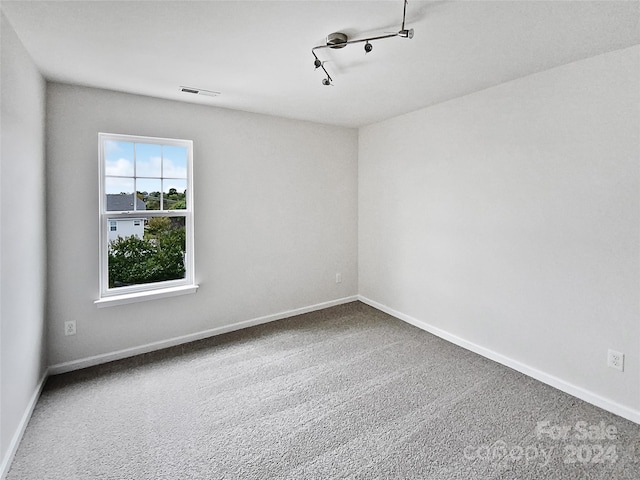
(152, 252)
(174, 161)
(148, 160)
(118, 158)
(174, 194)
(116, 185)
(149, 189)
(120, 194)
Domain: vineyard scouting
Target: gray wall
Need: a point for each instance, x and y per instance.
(510, 219)
(275, 218)
(22, 236)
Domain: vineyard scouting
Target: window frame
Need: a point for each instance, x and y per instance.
(146, 291)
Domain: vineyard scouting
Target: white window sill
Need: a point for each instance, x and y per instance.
(114, 300)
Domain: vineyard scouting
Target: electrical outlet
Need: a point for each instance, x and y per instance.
(70, 327)
(338, 278)
(615, 360)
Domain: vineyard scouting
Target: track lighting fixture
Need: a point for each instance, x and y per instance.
(406, 33)
(340, 40)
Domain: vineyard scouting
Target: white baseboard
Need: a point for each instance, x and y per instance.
(24, 421)
(150, 347)
(560, 384)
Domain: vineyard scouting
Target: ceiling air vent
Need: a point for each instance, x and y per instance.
(199, 91)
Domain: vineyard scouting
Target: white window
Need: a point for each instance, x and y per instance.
(152, 254)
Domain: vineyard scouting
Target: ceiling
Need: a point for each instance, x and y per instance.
(258, 53)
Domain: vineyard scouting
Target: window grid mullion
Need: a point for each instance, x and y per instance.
(162, 177)
(135, 177)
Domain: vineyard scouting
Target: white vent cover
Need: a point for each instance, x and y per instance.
(199, 91)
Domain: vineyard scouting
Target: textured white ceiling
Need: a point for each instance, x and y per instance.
(258, 53)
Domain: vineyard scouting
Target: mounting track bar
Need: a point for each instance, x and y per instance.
(401, 33)
(349, 42)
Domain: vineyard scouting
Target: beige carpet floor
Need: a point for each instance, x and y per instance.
(343, 393)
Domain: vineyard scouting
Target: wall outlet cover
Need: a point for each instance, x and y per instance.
(615, 360)
(70, 327)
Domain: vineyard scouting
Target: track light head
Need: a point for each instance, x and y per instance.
(406, 33)
(317, 63)
(326, 81)
(367, 47)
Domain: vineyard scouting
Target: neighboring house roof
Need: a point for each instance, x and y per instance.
(123, 202)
